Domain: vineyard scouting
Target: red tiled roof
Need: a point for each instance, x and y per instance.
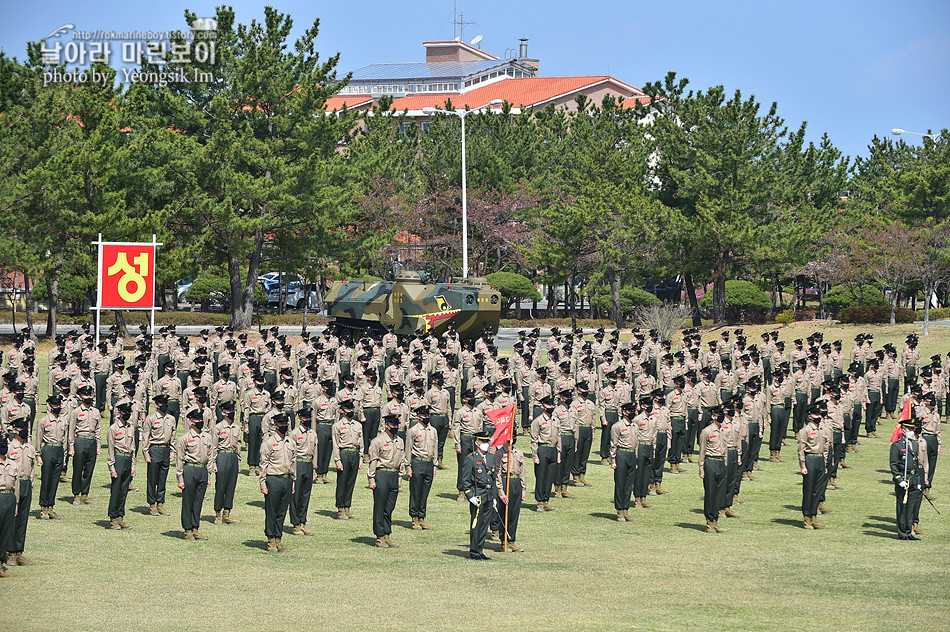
(526, 92)
(350, 101)
(468, 47)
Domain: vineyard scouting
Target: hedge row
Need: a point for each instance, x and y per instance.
(940, 313)
(874, 314)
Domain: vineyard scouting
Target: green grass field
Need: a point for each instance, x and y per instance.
(581, 569)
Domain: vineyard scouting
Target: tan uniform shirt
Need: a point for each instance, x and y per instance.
(545, 431)
(306, 441)
(712, 443)
(811, 440)
(423, 442)
(52, 429)
(158, 430)
(84, 421)
(121, 439)
(192, 447)
(585, 411)
(466, 421)
(24, 455)
(222, 391)
(226, 435)
(517, 468)
(10, 476)
(388, 453)
(277, 458)
(346, 434)
(255, 402)
(623, 435)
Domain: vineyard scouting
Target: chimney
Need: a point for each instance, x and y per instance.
(523, 48)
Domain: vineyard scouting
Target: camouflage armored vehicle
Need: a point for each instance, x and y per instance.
(412, 304)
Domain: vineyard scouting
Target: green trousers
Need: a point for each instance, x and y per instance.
(544, 472)
(812, 483)
(300, 501)
(84, 463)
(49, 476)
(193, 495)
(23, 517)
(384, 501)
(420, 484)
(623, 478)
(225, 480)
(8, 509)
(276, 503)
(346, 480)
(119, 489)
(714, 487)
(156, 474)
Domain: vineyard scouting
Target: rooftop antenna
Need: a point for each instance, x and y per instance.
(477, 40)
(458, 24)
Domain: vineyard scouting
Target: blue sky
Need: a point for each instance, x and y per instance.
(852, 68)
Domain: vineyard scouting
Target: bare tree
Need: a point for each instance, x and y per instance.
(929, 255)
(886, 252)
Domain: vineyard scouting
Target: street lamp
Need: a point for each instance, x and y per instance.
(462, 114)
(898, 131)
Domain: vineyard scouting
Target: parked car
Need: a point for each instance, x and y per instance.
(295, 296)
(182, 288)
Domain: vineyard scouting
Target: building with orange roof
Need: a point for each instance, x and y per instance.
(472, 78)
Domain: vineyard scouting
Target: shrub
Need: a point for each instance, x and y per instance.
(938, 313)
(805, 314)
(667, 319)
(875, 314)
(785, 318)
(841, 296)
(513, 286)
(740, 295)
(630, 297)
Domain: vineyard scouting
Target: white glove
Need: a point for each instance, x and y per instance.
(475, 500)
(494, 504)
(903, 484)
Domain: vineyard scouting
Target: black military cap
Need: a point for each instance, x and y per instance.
(195, 413)
(397, 388)
(391, 420)
(63, 382)
(124, 407)
(54, 400)
(422, 412)
(306, 413)
(227, 406)
(582, 386)
(468, 394)
(84, 390)
(691, 374)
(160, 399)
(628, 408)
(18, 387)
(347, 404)
(547, 401)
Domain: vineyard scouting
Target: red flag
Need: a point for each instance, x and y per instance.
(904, 416)
(504, 420)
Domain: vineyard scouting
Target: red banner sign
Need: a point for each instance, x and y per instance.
(127, 276)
